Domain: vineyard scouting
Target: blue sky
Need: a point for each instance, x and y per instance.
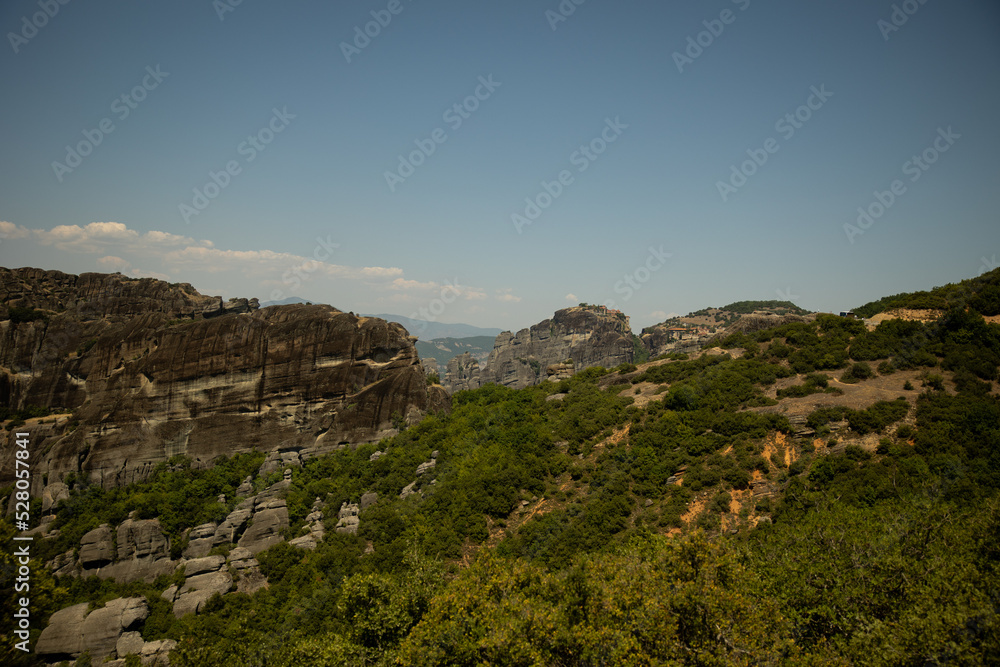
(661, 207)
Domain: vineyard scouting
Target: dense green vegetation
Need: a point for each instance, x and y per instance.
(19, 416)
(539, 538)
(18, 314)
(780, 307)
(981, 294)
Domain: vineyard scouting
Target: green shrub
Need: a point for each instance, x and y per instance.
(857, 371)
(934, 381)
(886, 368)
(720, 503)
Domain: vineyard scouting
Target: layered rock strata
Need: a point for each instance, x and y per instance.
(149, 370)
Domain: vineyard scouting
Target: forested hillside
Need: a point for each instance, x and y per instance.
(811, 494)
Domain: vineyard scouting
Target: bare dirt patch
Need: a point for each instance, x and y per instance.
(696, 507)
(903, 314)
(647, 393)
(857, 396)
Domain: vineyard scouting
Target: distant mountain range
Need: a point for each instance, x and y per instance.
(428, 330)
(442, 350)
(284, 302)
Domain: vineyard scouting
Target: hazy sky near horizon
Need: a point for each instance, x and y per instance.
(491, 162)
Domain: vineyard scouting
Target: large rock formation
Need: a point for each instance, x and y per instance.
(150, 370)
(463, 373)
(663, 339)
(72, 631)
(587, 336)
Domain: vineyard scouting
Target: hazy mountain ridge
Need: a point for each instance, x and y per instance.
(426, 330)
(442, 350)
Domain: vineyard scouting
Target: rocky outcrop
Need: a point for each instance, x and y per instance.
(205, 577)
(141, 539)
(368, 499)
(52, 494)
(314, 522)
(199, 588)
(348, 520)
(584, 336)
(462, 373)
(663, 339)
(151, 370)
(136, 550)
(97, 548)
(201, 539)
(269, 520)
(62, 639)
(563, 371)
(72, 631)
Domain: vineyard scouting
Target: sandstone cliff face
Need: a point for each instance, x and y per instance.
(588, 336)
(463, 373)
(150, 370)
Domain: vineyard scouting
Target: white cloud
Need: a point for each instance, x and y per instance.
(8, 230)
(571, 298)
(663, 315)
(112, 263)
(92, 238)
(506, 296)
(380, 271)
(99, 236)
(166, 238)
(142, 273)
(472, 293)
(404, 284)
(159, 254)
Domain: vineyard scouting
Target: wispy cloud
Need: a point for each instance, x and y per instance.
(115, 246)
(8, 230)
(506, 296)
(100, 236)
